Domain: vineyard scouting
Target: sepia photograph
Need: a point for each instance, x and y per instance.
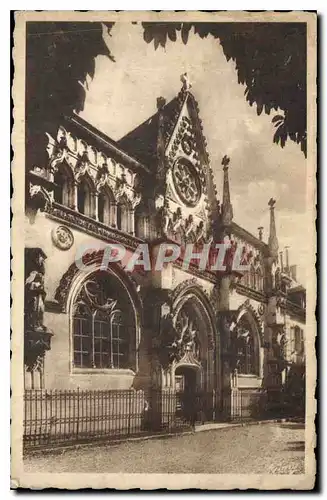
(164, 247)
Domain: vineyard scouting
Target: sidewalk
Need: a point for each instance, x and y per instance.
(210, 426)
(275, 448)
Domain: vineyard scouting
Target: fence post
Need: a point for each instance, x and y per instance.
(77, 427)
(129, 410)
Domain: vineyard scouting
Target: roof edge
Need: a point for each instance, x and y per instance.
(104, 141)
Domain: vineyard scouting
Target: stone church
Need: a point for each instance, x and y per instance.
(222, 333)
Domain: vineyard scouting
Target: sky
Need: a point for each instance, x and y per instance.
(123, 94)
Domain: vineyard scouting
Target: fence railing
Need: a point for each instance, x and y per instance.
(61, 417)
(54, 417)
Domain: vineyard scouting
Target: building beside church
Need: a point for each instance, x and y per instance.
(227, 334)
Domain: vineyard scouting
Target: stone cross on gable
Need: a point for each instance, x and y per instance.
(186, 82)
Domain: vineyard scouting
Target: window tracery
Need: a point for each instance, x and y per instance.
(102, 329)
(186, 182)
(246, 349)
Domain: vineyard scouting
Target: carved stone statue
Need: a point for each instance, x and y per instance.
(186, 82)
(34, 292)
(200, 232)
(189, 226)
(177, 220)
(163, 218)
(37, 336)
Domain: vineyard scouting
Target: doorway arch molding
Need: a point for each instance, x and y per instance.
(191, 301)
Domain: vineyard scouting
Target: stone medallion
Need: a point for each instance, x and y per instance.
(62, 237)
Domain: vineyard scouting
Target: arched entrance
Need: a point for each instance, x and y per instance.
(193, 371)
(186, 379)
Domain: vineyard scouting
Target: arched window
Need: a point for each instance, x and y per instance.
(123, 217)
(104, 331)
(106, 209)
(259, 280)
(142, 225)
(63, 186)
(252, 278)
(84, 198)
(245, 280)
(246, 348)
(82, 336)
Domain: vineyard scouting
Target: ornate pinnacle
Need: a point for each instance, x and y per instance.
(227, 209)
(273, 241)
(225, 162)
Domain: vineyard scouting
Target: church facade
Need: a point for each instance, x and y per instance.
(223, 333)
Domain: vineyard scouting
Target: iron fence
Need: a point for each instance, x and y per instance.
(61, 417)
(246, 404)
(56, 417)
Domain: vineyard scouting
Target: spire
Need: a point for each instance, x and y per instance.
(227, 209)
(272, 241)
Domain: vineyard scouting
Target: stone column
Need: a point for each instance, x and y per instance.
(73, 201)
(113, 214)
(131, 221)
(95, 196)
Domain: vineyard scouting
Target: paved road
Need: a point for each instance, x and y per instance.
(254, 449)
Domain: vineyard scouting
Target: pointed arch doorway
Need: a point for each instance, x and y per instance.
(193, 373)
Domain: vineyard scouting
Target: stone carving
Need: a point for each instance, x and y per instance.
(186, 82)
(39, 198)
(200, 232)
(177, 340)
(62, 237)
(163, 219)
(187, 145)
(261, 310)
(82, 166)
(102, 176)
(189, 226)
(187, 336)
(121, 187)
(177, 220)
(91, 226)
(37, 337)
(279, 347)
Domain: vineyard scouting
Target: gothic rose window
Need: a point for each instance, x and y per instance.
(103, 331)
(186, 182)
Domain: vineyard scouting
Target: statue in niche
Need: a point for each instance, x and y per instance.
(163, 218)
(200, 232)
(37, 337)
(34, 288)
(177, 220)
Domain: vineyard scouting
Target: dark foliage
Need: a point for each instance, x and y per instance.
(270, 61)
(59, 56)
